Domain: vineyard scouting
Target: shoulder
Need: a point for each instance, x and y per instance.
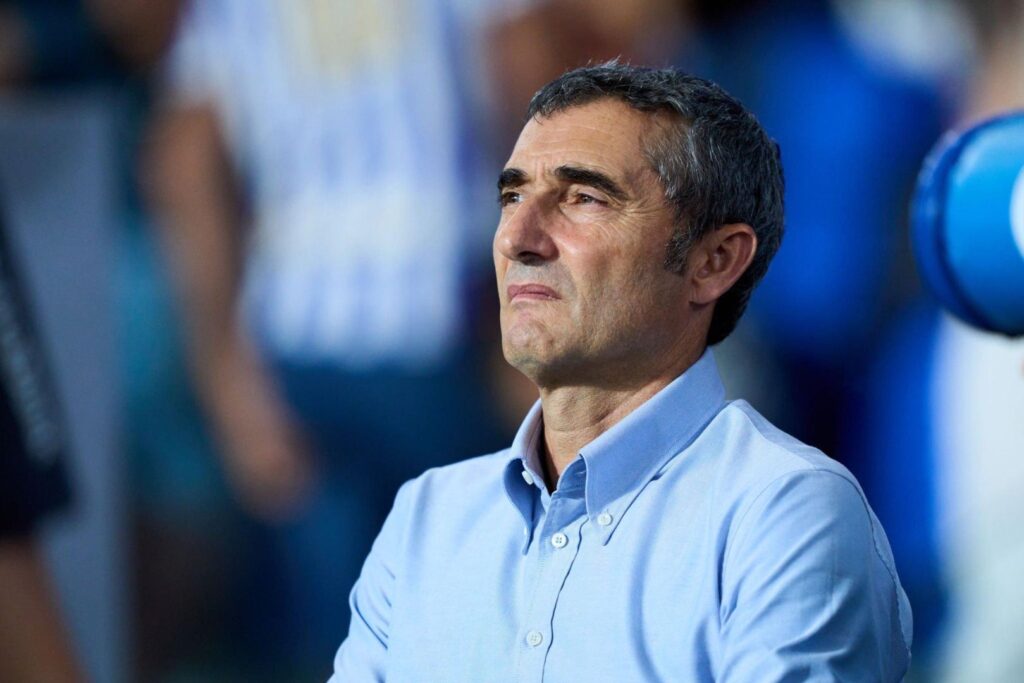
(791, 503)
(762, 451)
(754, 459)
(439, 507)
(768, 473)
(467, 481)
(767, 478)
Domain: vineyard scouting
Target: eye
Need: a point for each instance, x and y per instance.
(509, 197)
(586, 198)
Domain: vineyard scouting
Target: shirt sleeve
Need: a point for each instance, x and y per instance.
(809, 591)
(363, 654)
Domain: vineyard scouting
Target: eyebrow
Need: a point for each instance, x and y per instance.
(514, 177)
(511, 177)
(588, 176)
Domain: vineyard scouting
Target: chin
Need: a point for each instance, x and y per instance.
(523, 336)
(519, 356)
(544, 369)
(525, 357)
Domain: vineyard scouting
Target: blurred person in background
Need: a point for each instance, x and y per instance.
(34, 647)
(945, 434)
(83, 66)
(316, 170)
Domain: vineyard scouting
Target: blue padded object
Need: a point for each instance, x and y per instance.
(968, 224)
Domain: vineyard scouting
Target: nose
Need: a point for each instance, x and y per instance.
(524, 234)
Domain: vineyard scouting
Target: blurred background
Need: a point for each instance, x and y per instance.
(253, 241)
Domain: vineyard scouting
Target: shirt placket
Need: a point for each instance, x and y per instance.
(557, 548)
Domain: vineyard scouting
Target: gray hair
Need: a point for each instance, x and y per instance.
(716, 163)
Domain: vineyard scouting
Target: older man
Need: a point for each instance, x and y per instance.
(640, 528)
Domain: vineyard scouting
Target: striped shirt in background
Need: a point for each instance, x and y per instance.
(350, 125)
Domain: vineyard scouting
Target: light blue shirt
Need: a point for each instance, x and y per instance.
(692, 541)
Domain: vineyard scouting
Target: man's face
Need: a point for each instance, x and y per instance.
(580, 248)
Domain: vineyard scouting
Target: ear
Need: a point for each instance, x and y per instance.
(718, 261)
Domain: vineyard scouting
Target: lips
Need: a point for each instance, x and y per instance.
(531, 291)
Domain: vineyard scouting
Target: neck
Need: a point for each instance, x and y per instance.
(575, 415)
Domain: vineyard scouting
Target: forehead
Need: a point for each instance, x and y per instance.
(607, 134)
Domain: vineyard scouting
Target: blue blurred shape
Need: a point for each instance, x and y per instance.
(968, 224)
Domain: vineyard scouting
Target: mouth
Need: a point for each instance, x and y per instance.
(531, 292)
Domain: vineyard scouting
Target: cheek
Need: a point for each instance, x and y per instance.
(624, 300)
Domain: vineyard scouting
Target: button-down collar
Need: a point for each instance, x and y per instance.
(620, 462)
(524, 457)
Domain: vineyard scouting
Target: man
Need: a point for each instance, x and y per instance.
(640, 528)
(320, 296)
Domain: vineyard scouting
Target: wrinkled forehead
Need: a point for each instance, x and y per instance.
(606, 134)
(605, 130)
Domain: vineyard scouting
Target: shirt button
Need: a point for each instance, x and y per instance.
(604, 519)
(534, 638)
(559, 540)
(527, 477)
